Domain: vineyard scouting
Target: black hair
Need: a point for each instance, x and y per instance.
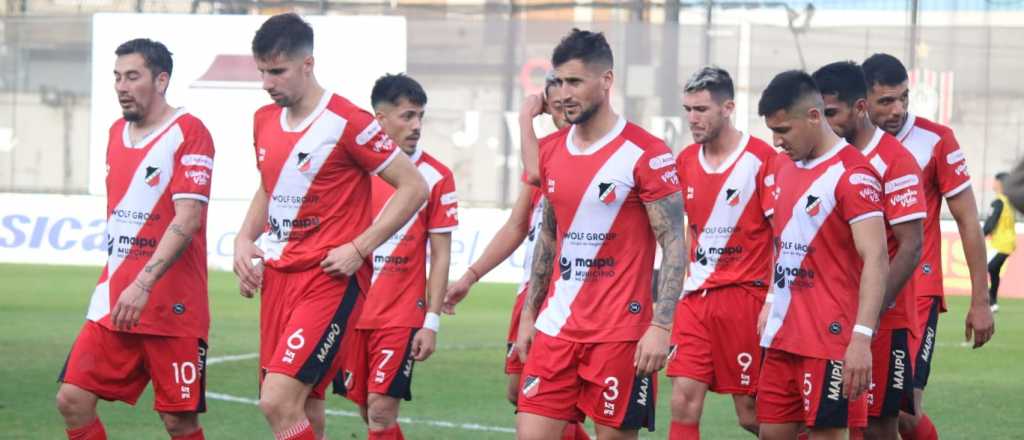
(586, 46)
(283, 34)
(392, 88)
(715, 80)
(1001, 177)
(845, 79)
(883, 69)
(157, 57)
(786, 90)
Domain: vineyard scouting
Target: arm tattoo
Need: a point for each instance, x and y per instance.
(666, 216)
(543, 259)
(157, 268)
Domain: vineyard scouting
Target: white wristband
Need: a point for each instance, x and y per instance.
(864, 330)
(432, 321)
(769, 298)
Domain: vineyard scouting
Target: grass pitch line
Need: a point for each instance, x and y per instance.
(403, 420)
(232, 358)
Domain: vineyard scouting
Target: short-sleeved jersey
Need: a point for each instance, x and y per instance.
(817, 268)
(397, 295)
(903, 201)
(944, 175)
(174, 162)
(727, 212)
(601, 288)
(317, 179)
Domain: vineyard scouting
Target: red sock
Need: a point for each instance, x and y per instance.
(925, 430)
(197, 435)
(392, 433)
(93, 431)
(856, 433)
(301, 431)
(683, 431)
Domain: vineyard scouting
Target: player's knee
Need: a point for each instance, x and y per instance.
(180, 424)
(383, 413)
(512, 393)
(275, 408)
(685, 407)
(71, 403)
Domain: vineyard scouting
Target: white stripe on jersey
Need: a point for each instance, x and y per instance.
(744, 178)
(318, 142)
(879, 164)
(139, 197)
(593, 218)
(920, 143)
(536, 217)
(387, 249)
(799, 229)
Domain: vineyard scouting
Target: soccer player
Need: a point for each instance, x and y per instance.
(315, 152)
(398, 325)
(522, 224)
(149, 317)
(944, 176)
(845, 96)
(591, 336)
(726, 176)
(830, 271)
(1001, 230)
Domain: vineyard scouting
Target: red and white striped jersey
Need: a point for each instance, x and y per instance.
(817, 267)
(317, 178)
(397, 295)
(903, 201)
(143, 181)
(944, 175)
(601, 291)
(727, 210)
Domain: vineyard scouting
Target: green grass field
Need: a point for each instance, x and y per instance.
(973, 393)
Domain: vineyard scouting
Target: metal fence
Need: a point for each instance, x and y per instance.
(476, 67)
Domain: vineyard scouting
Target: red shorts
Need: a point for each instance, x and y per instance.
(922, 344)
(512, 363)
(566, 380)
(892, 376)
(714, 339)
(304, 316)
(798, 389)
(117, 366)
(377, 361)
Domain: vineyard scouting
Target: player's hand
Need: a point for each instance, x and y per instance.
(526, 333)
(129, 306)
(762, 318)
(980, 324)
(532, 107)
(423, 344)
(250, 277)
(857, 366)
(456, 292)
(651, 351)
(343, 260)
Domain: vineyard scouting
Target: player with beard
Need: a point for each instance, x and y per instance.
(844, 92)
(591, 338)
(944, 176)
(726, 176)
(149, 317)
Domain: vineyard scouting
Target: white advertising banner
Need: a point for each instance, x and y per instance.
(215, 77)
(57, 229)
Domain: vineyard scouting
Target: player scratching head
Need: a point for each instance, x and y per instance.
(794, 111)
(398, 104)
(283, 49)
(142, 73)
(845, 95)
(583, 70)
(708, 101)
(888, 94)
(553, 100)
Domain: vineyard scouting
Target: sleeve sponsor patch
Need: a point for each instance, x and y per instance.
(199, 177)
(954, 157)
(661, 161)
(384, 143)
(901, 182)
(769, 180)
(197, 160)
(368, 133)
(865, 179)
(449, 198)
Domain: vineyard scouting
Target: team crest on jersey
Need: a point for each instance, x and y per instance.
(305, 162)
(635, 307)
(732, 196)
(531, 385)
(348, 379)
(813, 206)
(606, 192)
(152, 176)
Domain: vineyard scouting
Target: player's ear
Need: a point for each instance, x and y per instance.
(607, 78)
(307, 64)
(860, 107)
(728, 107)
(163, 81)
